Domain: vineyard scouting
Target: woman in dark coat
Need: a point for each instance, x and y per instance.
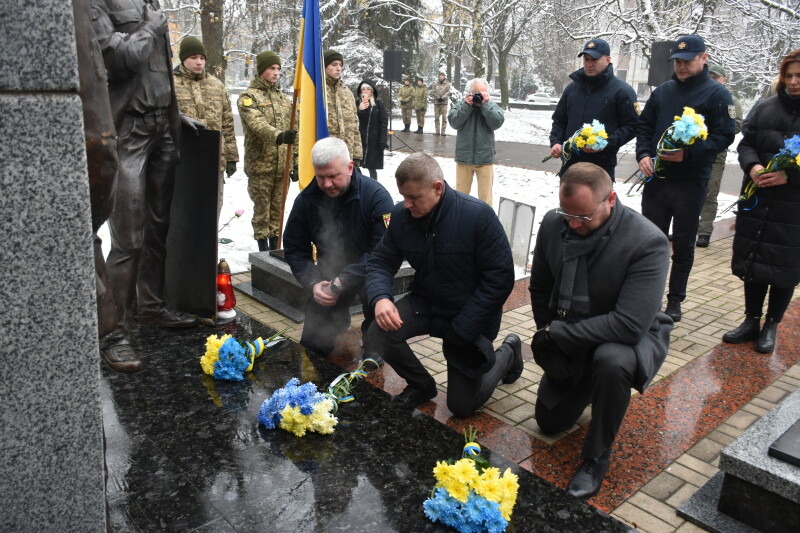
(373, 123)
(766, 247)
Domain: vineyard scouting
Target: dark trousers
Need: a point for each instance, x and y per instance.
(322, 324)
(606, 385)
(465, 394)
(680, 202)
(756, 293)
(140, 219)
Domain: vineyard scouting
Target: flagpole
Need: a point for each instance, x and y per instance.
(287, 166)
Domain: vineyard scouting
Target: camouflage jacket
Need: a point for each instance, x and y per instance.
(265, 112)
(203, 97)
(440, 90)
(420, 97)
(406, 96)
(343, 115)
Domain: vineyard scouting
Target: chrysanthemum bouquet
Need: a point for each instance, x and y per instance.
(788, 157)
(683, 133)
(592, 136)
(470, 495)
(229, 358)
(301, 408)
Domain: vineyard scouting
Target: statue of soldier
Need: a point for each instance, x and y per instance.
(132, 35)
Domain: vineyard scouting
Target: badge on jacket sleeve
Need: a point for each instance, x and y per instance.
(732, 111)
(637, 108)
(247, 101)
(387, 217)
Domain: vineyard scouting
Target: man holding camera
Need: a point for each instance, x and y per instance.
(440, 94)
(476, 118)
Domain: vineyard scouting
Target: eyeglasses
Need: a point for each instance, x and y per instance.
(581, 218)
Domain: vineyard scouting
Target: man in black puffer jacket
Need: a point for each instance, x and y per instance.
(463, 275)
(595, 94)
(676, 193)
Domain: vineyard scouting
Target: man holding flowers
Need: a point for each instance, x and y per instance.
(595, 94)
(678, 178)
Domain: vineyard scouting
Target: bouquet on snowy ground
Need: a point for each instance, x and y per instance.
(229, 358)
(788, 157)
(592, 136)
(683, 133)
(470, 495)
(301, 408)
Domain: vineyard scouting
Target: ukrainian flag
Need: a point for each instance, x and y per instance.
(309, 87)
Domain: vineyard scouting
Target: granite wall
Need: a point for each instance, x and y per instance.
(51, 452)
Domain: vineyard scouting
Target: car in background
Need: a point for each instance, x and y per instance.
(539, 98)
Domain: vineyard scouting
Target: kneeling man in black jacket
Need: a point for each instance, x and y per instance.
(463, 276)
(598, 276)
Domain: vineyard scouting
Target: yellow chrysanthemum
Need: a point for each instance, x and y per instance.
(464, 471)
(489, 485)
(585, 132)
(509, 484)
(213, 344)
(580, 142)
(797, 160)
(293, 420)
(591, 140)
(603, 134)
(322, 421)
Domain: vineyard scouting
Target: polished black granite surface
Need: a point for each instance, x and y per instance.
(185, 452)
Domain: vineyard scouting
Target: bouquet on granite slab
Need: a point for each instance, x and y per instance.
(301, 408)
(592, 136)
(470, 495)
(228, 358)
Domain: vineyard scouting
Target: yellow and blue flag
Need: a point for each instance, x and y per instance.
(309, 86)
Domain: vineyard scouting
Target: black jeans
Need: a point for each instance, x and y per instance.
(465, 394)
(606, 386)
(779, 300)
(680, 202)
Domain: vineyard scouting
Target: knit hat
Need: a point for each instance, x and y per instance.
(266, 59)
(191, 46)
(331, 56)
(718, 70)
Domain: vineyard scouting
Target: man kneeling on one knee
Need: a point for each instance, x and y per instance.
(598, 276)
(463, 276)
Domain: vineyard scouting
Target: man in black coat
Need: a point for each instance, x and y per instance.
(676, 193)
(344, 215)
(596, 285)
(463, 276)
(595, 94)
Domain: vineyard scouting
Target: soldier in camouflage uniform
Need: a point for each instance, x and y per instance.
(420, 103)
(406, 96)
(205, 99)
(266, 112)
(440, 94)
(342, 112)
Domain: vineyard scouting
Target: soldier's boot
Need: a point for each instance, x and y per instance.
(273, 243)
(262, 245)
(407, 127)
(419, 130)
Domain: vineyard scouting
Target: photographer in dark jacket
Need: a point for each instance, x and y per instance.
(373, 123)
(766, 247)
(677, 193)
(463, 275)
(595, 94)
(344, 215)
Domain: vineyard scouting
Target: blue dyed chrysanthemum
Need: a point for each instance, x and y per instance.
(792, 146)
(233, 361)
(304, 396)
(476, 515)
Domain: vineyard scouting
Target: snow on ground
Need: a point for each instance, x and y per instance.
(532, 187)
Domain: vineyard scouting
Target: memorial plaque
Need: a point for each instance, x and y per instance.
(787, 447)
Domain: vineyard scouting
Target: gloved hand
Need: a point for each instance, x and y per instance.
(155, 21)
(192, 124)
(294, 175)
(550, 357)
(230, 168)
(357, 163)
(286, 137)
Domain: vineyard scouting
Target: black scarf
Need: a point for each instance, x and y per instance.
(572, 298)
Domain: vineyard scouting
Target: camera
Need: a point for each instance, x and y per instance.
(440, 100)
(477, 99)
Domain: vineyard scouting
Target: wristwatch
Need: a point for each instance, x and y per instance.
(335, 289)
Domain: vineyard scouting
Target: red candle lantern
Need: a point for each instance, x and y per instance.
(226, 299)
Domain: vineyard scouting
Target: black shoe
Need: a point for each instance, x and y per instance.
(419, 130)
(412, 396)
(703, 241)
(263, 245)
(272, 243)
(122, 358)
(747, 331)
(673, 309)
(517, 364)
(407, 127)
(587, 480)
(766, 340)
(169, 318)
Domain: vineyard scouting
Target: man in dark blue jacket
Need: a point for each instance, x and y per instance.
(344, 215)
(463, 275)
(595, 94)
(677, 192)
